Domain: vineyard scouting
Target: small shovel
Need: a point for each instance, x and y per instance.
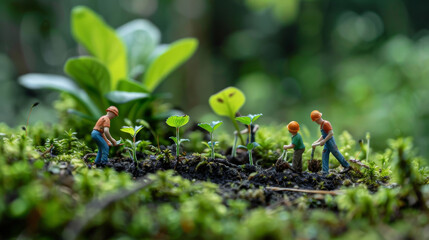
(312, 154)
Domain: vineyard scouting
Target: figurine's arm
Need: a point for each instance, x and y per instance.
(242, 131)
(256, 128)
(111, 139)
(317, 142)
(286, 147)
(329, 136)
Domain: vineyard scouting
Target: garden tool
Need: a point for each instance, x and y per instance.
(283, 156)
(312, 154)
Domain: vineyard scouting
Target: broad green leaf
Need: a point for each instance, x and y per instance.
(129, 130)
(91, 75)
(130, 86)
(227, 102)
(124, 97)
(242, 146)
(174, 139)
(244, 119)
(82, 115)
(177, 121)
(206, 127)
(90, 30)
(141, 37)
(62, 84)
(170, 59)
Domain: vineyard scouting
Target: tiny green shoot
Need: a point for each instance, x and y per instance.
(210, 127)
(132, 145)
(178, 122)
(28, 118)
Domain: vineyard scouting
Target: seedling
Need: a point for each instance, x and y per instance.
(28, 119)
(154, 134)
(177, 122)
(248, 120)
(210, 127)
(132, 145)
(227, 103)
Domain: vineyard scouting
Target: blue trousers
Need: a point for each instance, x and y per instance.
(103, 148)
(331, 147)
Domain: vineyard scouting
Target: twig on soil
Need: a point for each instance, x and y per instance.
(95, 206)
(47, 151)
(359, 163)
(334, 193)
(85, 158)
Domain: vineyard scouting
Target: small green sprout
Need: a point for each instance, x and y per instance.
(28, 119)
(132, 145)
(177, 122)
(248, 120)
(227, 103)
(210, 127)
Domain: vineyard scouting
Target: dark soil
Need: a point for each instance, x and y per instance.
(236, 180)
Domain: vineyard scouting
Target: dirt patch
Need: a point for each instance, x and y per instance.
(236, 180)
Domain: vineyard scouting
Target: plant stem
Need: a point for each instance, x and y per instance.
(367, 151)
(177, 143)
(238, 130)
(234, 147)
(28, 119)
(211, 140)
(248, 129)
(250, 157)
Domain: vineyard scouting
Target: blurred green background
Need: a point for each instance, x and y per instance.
(363, 63)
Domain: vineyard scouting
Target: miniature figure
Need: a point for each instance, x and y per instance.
(327, 139)
(99, 134)
(298, 146)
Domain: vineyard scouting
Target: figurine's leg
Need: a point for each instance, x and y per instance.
(297, 160)
(325, 159)
(105, 153)
(339, 156)
(99, 141)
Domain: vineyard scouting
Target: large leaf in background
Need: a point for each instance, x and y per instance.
(92, 76)
(227, 102)
(141, 37)
(167, 60)
(130, 86)
(177, 121)
(62, 84)
(101, 41)
(124, 97)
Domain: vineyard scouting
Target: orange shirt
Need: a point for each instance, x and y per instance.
(103, 122)
(326, 125)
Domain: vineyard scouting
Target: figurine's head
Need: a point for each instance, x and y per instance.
(293, 127)
(112, 112)
(316, 116)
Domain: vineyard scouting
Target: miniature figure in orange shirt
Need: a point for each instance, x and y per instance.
(102, 137)
(328, 140)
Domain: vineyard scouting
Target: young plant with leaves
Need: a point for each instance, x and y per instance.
(178, 122)
(132, 145)
(124, 67)
(248, 120)
(210, 127)
(227, 103)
